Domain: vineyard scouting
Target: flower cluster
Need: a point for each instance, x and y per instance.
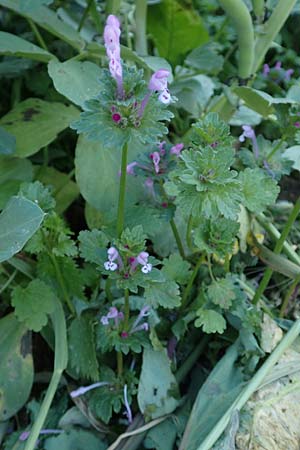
(277, 73)
(114, 317)
(133, 262)
(112, 44)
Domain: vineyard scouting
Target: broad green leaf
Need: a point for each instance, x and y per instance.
(82, 350)
(162, 437)
(175, 30)
(18, 222)
(164, 294)
(93, 245)
(13, 171)
(215, 396)
(33, 304)
(206, 58)
(36, 123)
(7, 143)
(221, 292)
(78, 81)
(27, 5)
(16, 46)
(259, 101)
(175, 268)
(293, 154)
(158, 390)
(211, 321)
(97, 175)
(75, 440)
(65, 190)
(259, 189)
(16, 369)
(47, 19)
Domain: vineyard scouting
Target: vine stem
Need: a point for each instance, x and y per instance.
(238, 12)
(60, 363)
(271, 29)
(122, 191)
(140, 32)
(278, 247)
(62, 283)
(288, 295)
(188, 288)
(177, 238)
(38, 35)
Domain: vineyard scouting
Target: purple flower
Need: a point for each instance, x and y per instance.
(24, 436)
(165, 96)
(83, 389)
(130, 168)
(127, 406)
(249, 133)
(111, 37)
(159, 80)
(113, 254)
(113, 313)
(288, 74)
(297, 124)
(156, 159)
(266, 70)
(176, 149)
(149, 185)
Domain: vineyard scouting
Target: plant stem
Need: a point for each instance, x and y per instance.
(189, 363)
(108, 291)
(62, 283)
(288, 295)
(38, 35)
(84, 15)
(258, 8)
(189, 232)
(126, 309)
(287, 248)
(7, 283)
(189, 286)
(96, 17)
(60, 363)
(271, 29)
(112, 6)
(122, 191)
(251, 387)
(210, 267)
(119, 364)
(275, 149)
(278, 247)
(140, 31)
(177, 238)
(238, 12)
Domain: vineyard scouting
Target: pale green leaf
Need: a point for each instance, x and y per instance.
(158, 390)
(175, 268)
(18, 222)
(93, 245)
(164, 294)
(16, 46)
(7, 143)
(259, 189)
(221, 292)
(210, 321)
(75, 440)
(16, 373)
(293, 154)
(78, 81)
(36, 123)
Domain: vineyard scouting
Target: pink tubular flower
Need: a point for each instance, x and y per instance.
(112, 254)
(155, 158)
(130, 168)
(142, 259)
(165, 96)
(111, 37)
(176, 149)
(159, 80)
(249, 133)
(266, 70)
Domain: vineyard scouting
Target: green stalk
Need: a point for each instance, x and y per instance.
(122, 191)
(251, 387)
(140, 31)
(193, 357)
(62, 283)
(119, 364)
(186, 293)
(271, 29)
(287, 248)
(258, 8)
(126, 309)
(288, 295)
(84, 15)
(177, 238)
(38, 35)
(189, 233)
(113, 7)
(278, 247)
(238, 12)
(60, 363)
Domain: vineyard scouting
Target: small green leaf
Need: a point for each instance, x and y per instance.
(206, 58)
(158, 390)
(93, 245)
(13, 171)
(259, 189)
(211, 321)
(176, 269)
(14, 45)
(293, 154)
(221, 292)
(38, 194)
(175, 29)
(16, 372)
(36, 123)
(78, 81)
(7, 142)
(75, 440)
(18, 222)
(165, 294)
(82, 351)
(33, 304)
